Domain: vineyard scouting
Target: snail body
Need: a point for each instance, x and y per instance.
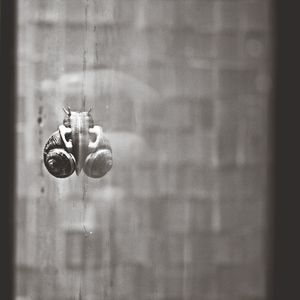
(77, 145)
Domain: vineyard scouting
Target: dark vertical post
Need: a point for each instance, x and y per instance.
(7, 128)
(286, 256)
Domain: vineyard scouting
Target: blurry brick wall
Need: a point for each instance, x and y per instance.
(182, 89)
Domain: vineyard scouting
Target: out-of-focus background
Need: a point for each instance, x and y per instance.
(182, 88)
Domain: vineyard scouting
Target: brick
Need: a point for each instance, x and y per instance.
(193, 46)
(176, 248)
(158, 251)
(103, 109)
(173, 284)
(121, 176)
(178, 81)
(200, 284)
(167, 179)
(182, 147)
(200, 246)
(203, 113)
(47, 71)
(161, 78)
(247, 182)
(131, 216)
(237, 215)
(140, 55)
(23, 283)
(77, 62)
(171, 46)
(132, 247)
(96, 285)
(255, 182)
(227, 46)
(228, 182)
(227, 15)
(43, 44)
(166, 147)
(177, 216)
(157, 211)
(229, 249)
(100, 211)
(237, 81)
(113, 44)
(124, 11)
(264, 82)
(253, 141)
(193, 179)
(45, 11)
(222, 250)
(154, 46)
(157, 13)
(122, 114)
(144, 281)
(75, 36)
(255, 46)
(154, 113)
(228, 280)
(173, 115)
(200, 215)
(75, 250)
(255, 248)
(86, 11)
(240, 282)
(194, 82)
(198, 15)
(72, 65)
(94, 250)
(145, 179)
(255, 14)
(75, 10)
(124, 282)
(170, 214)
(227, 132)
(173, 253)
(253, 282)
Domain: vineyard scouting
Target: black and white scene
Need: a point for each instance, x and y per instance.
(143, 136)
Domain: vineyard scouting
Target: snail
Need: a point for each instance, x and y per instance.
(78, 145)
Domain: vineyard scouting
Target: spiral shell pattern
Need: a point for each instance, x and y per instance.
(97, 164)
(57, 160)
(60, 163)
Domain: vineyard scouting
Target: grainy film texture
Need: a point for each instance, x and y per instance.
(182, 89)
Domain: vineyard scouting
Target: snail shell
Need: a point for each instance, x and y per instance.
(99, 161)
(57, 160)
(97, 164)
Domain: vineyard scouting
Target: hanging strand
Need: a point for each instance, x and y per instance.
(84, 63)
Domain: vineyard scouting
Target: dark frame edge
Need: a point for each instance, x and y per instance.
(283, 282)
(7, 124)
